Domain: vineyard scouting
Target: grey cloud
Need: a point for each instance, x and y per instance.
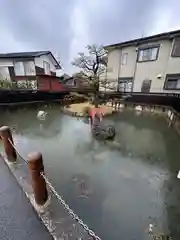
(122, 20)
(46, 24)
(125, 20)
(43, 24)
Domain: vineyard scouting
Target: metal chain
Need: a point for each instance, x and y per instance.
(17, 150)
(70, 211)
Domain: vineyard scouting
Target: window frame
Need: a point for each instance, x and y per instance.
(27, 84)
(173, 45)
(32, 73)
(7, 75)
(125, 80)
(44, 63)
(122, 58)
(24, 68)
(15, 69)
(147, 48)
(147, 82)
(171, 77)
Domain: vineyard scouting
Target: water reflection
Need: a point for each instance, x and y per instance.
(86, 197)
(118, 188)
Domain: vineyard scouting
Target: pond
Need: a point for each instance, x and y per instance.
(118, 188)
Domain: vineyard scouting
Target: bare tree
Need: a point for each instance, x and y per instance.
(93, 65)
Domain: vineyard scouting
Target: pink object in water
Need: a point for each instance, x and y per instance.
(96, 111)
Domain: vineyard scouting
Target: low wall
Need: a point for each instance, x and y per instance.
(165, 106)
(162, 99)
(12, 97)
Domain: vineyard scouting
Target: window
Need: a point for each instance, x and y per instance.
(71, 82)
(22, 84)
(172, 82)
(25, 68)
(32, 84)
(148, 54)
(146, 85)
(29, 68)
(27, 84)
(19, 68)
(47, 69)
(4, 73)
(176, 48)
(125, 84)
(124, 58)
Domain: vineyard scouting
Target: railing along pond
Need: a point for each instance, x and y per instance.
(39, 180)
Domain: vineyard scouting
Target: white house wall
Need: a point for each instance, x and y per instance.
(39, 62)
(22, 68)
(6, 63)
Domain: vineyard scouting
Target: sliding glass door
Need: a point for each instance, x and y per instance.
(125, 84)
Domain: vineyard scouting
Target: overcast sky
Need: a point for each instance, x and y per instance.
(66, 26)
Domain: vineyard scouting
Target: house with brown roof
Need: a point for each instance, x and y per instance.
(78, 80)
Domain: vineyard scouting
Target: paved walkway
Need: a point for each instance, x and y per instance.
(18, 220)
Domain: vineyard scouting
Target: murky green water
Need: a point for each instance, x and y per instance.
(117, 189)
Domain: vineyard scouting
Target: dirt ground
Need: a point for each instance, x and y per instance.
(79, 108)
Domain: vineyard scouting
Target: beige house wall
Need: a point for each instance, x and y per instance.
(152, 69)
(128, 69)
(139, 71)
(112, 71)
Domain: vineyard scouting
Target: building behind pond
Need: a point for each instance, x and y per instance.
(149, 64)
(30, 70)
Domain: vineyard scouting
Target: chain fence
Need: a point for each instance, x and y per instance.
(60, 199)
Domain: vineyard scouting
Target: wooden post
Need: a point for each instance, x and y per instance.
(36, 167)
(6, 137)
